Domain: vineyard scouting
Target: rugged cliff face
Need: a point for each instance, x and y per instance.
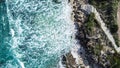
(97, 49)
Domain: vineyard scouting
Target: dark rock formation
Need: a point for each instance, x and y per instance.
(98, 49)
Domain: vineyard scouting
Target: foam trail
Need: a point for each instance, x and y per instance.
(60, 64)
(41, 32)
(21, 63)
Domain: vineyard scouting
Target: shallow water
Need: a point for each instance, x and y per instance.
(34, 33)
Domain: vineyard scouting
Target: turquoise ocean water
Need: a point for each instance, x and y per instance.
(34, 33)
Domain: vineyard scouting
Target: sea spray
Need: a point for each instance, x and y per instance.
(41, 31)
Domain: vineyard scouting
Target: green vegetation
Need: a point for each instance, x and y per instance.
(108, 9)
(117, 41)
(97, 49)
(114, 28)
(114, 60)
(90, 21)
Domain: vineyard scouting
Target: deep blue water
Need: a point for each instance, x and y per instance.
(34, 33)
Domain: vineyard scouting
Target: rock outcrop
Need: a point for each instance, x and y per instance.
(95, 48)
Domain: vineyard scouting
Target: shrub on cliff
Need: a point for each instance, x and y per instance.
(114, 28)
(90, 21)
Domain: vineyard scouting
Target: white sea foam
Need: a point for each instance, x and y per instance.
(60, 64)
(41, 31)
(12, 32)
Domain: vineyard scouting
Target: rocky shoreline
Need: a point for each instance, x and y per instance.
(77, 57)
(94, 49)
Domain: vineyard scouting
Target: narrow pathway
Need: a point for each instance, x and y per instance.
(89, 9)
(118, 19)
